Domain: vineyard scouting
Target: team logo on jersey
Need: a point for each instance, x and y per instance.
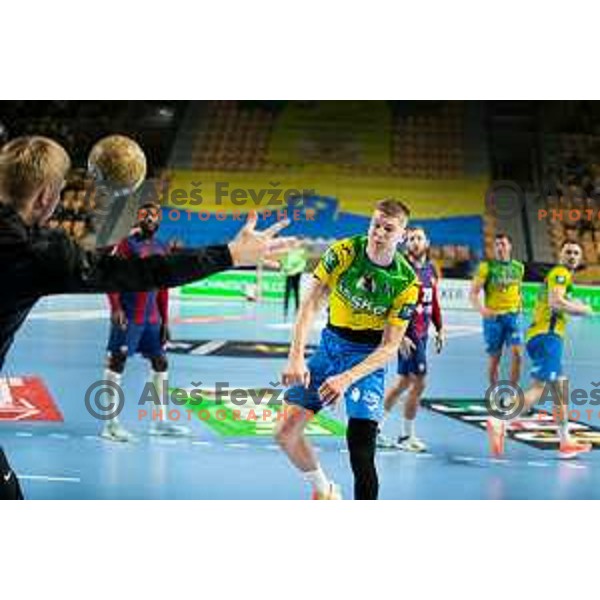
(406, 312)
(366, 283)
(330, 260)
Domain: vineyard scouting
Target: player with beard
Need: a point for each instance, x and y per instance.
(545, 340)
(412, 356)
(140, 325)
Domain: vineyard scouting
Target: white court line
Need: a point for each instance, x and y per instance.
(201, 443)
(50, 478)
(535, 463)
(59, 436)
(23, 434)
(238, 445)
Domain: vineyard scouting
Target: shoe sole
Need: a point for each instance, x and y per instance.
(572, 455)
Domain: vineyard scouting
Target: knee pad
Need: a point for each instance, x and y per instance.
(160, 364)
(116, 362)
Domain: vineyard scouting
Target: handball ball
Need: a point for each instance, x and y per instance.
(118, 163)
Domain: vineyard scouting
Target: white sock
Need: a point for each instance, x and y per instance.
(386, 414)
(115, 378)
(408, 427)
(318, 480)
(563, 430)
(160, 382)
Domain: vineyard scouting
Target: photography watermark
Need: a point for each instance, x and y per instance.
(507, 199)
(104, 400)
(506, 401)
(274, 199)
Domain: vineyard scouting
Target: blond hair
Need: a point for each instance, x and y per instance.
(29, 163)
(392, 207)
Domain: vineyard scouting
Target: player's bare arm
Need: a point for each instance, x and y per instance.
(559, 301)
(313, 302)
(475, 299)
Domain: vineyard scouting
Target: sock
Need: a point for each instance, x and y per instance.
(386, 414)
(159, 380)
(408, 427)
(563, 430)
(115, 378)
(318, 480)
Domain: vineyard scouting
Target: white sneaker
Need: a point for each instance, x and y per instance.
(385, 442)
(412, 444)
(333, 493)
(168, 429)
(115, 432)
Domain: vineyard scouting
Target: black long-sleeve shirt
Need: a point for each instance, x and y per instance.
(36, 262)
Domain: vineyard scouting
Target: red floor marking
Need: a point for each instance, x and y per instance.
(26, 399)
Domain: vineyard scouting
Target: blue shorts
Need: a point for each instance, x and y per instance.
(500, 331)
(416, 363)
(545, 351)
(142, 339)
(364, 398)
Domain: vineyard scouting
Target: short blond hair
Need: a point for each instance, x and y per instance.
(392, 207)
(27, 164)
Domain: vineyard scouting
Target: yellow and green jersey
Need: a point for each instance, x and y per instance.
(545, 318)
(501, 281)
(365, 296)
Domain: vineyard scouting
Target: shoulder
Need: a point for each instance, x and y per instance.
(559, 275)
(344, 249)
(405, 271)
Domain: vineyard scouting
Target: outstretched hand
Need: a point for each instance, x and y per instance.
(251, 247)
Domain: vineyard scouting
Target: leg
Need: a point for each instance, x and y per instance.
(414, 396)
(115, 366)
(515, 365)
(393, 394)
(160, 380)
(515, 341)
(493, 368)
(301, 404)
(493, 334)
(409, 440)
(361, 435)
(291, 439)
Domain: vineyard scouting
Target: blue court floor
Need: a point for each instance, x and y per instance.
(64, 341)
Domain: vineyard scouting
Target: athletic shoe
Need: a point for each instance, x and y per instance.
(168, 429)
(496, 433)
(115, 432)
(385, 442)
(333, 493)
(571, 448)
(412, 444)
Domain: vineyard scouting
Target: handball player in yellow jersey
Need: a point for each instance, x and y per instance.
(371, 292)
(545, 340)
(500, 279)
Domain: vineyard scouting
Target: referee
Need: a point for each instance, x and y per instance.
(36, 261)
